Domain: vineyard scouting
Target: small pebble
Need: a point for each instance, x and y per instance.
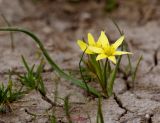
(147, 116)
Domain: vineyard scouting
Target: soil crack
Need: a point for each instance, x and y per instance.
(156, 57)
(149, 118)
(119, 102)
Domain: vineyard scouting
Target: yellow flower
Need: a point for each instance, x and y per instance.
(107, 50)
(91, 43)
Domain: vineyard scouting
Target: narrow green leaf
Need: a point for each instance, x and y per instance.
(114, 72)
(25, 64)
(98, 70)
(52, 63)
(100, 118)
(40, 68)
(112, 77)
(67, 108)
(53, 119)
(80, 68)
(105, 75)
(136, 68)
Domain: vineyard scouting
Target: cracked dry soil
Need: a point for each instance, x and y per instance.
(59, 24)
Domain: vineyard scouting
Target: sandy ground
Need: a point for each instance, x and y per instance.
(59, 24)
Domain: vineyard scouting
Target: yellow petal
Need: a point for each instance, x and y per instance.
(91, 39)
(121, 53)
(101, 56)
(89, 51)
(118, 42)
(96, 49)
(112, 58)
(103, 40)
(84, 47)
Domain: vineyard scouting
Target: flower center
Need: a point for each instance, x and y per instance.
(109, 50)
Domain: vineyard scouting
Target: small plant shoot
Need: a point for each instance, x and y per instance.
(101, 55)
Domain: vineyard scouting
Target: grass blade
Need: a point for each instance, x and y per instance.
(114, 72)
(100, 118)
(53, 119)
(67, 108)
(112, 77)
(135, 71)
(52, 63)
(25, 64)
(80, 68)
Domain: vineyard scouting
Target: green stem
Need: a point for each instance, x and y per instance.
(98, 72)
(112, 77)
(80, 68)
(97, 67)
(105, 73)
